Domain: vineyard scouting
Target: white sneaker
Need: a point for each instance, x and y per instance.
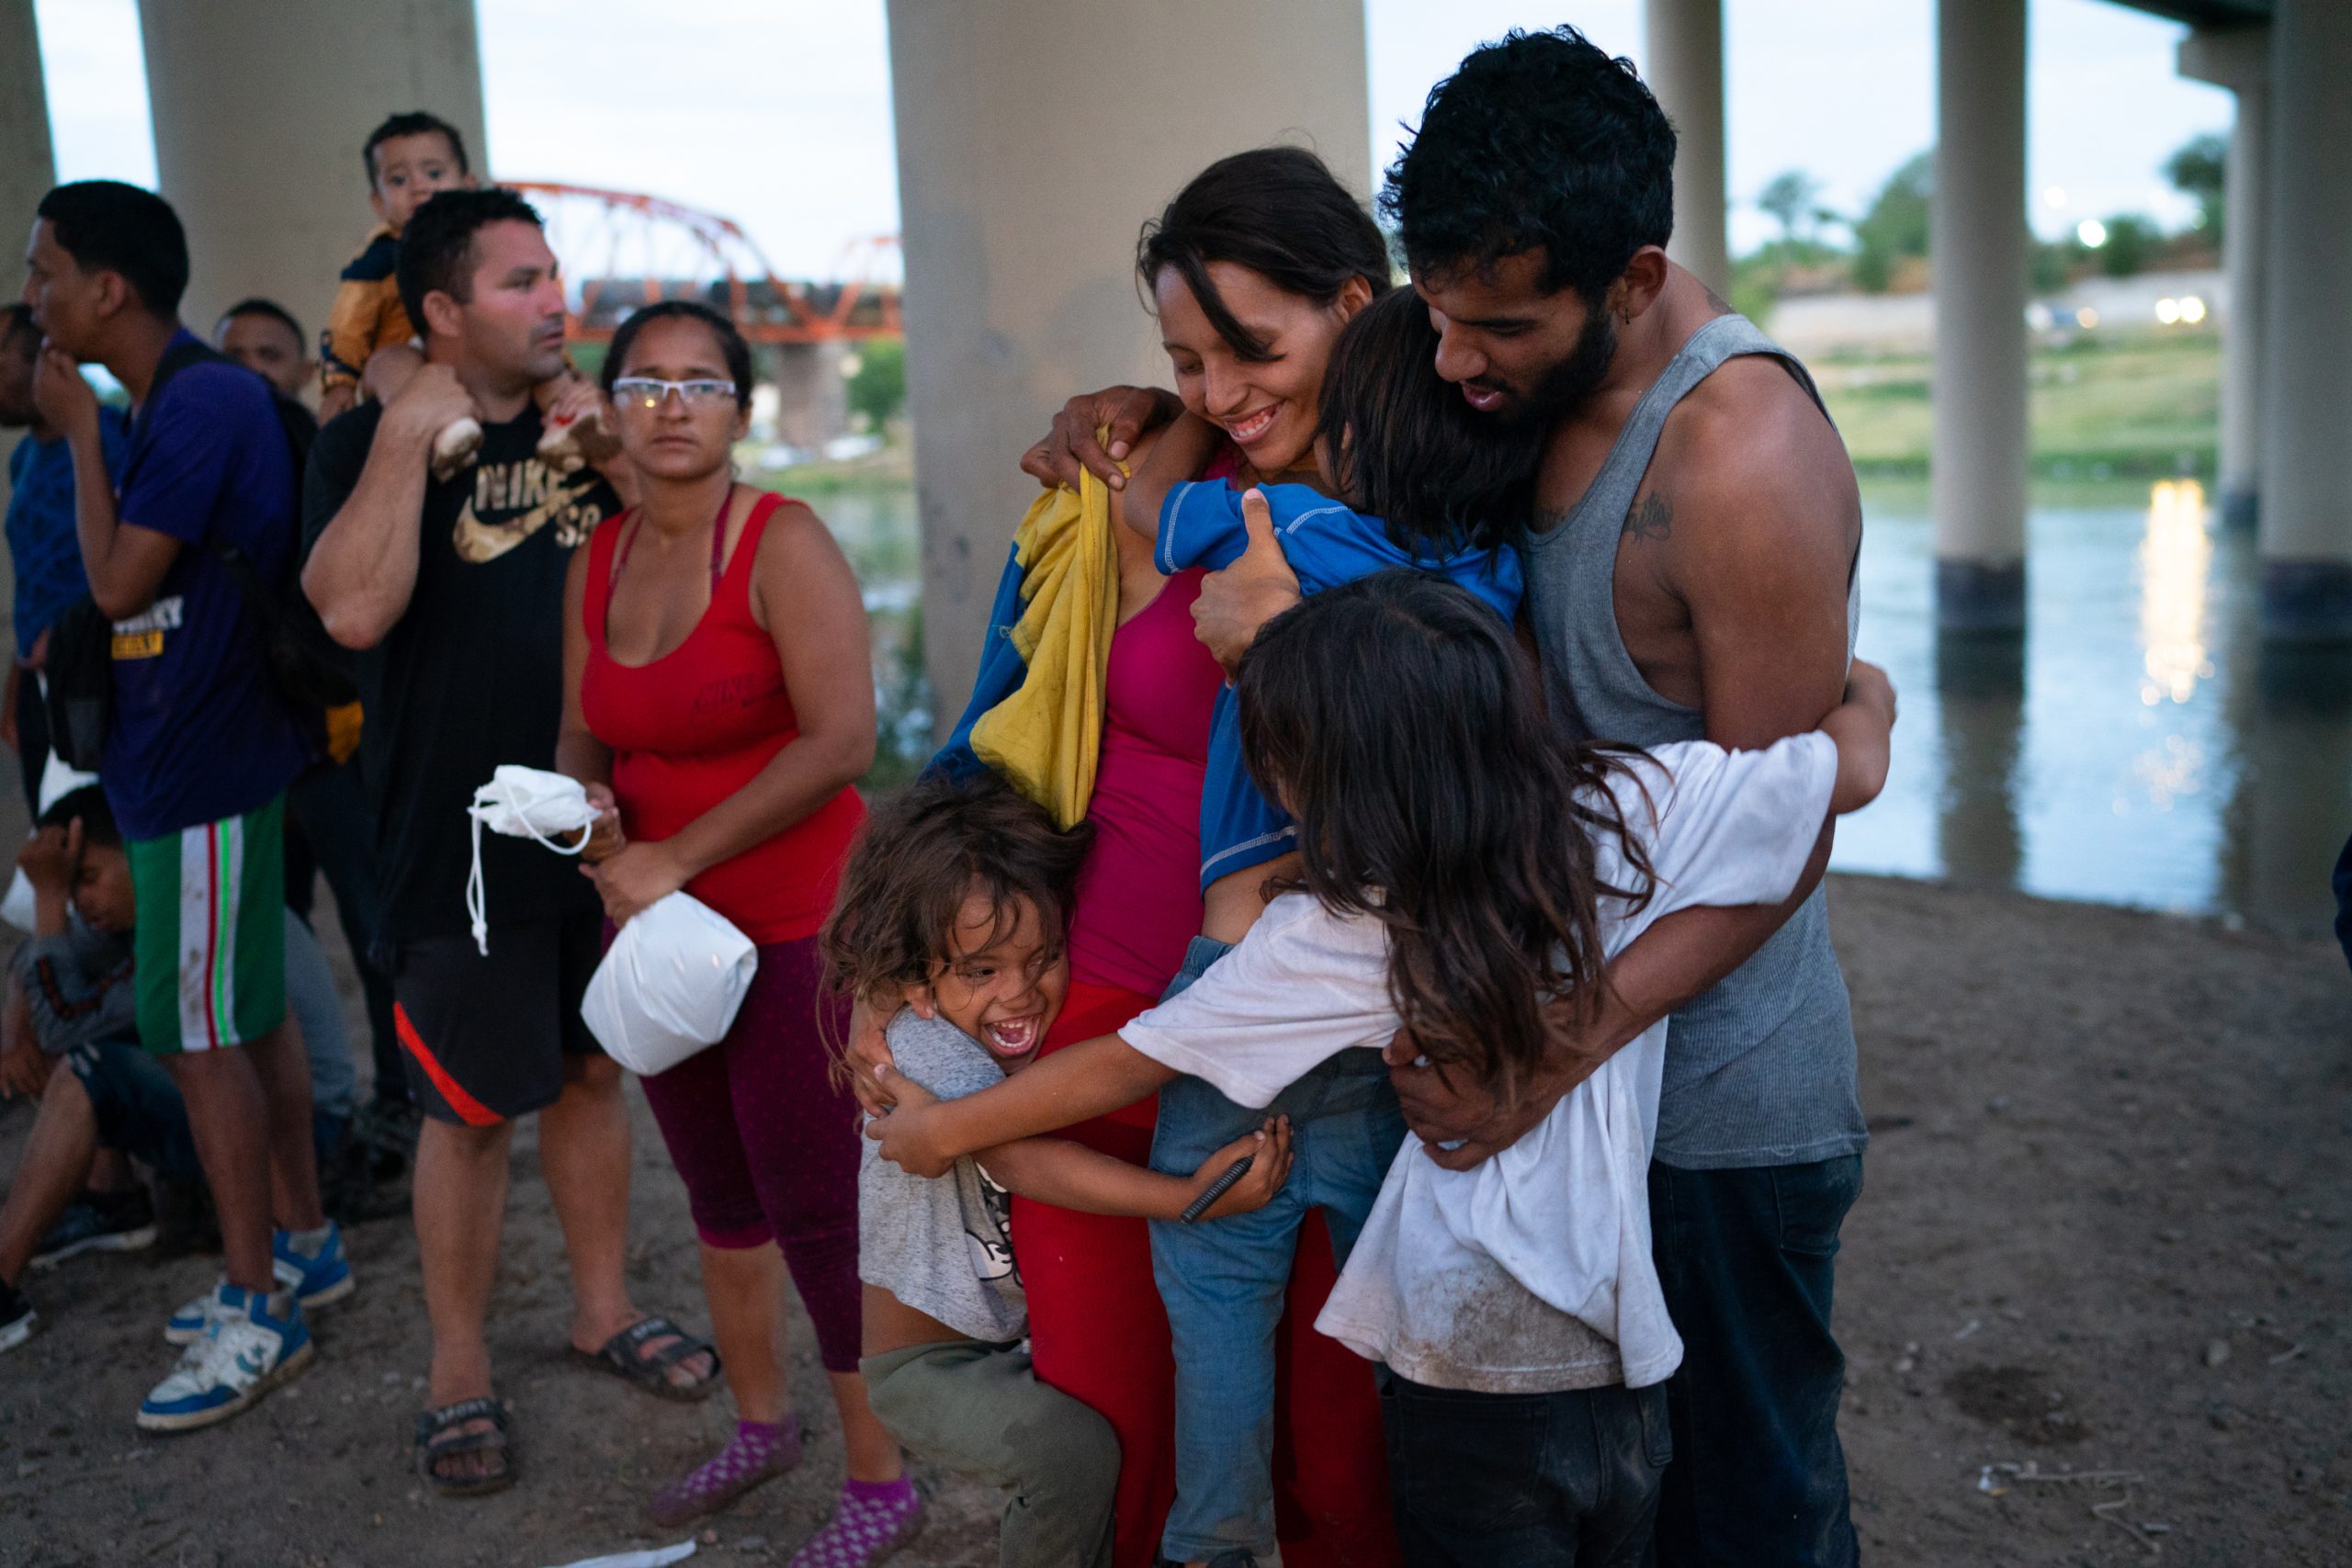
(250, 1345)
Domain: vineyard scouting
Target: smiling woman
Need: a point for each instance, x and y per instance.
(1253, 270)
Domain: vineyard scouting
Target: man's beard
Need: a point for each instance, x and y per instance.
(1572, 381)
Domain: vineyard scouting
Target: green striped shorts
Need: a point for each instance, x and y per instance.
(209, 952)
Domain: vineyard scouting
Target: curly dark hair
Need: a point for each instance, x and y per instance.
(1407, 447)
(731, 346)
(1278, 212)
(1398, 719)
(437, 246)
(917, 860)
(1540, 141)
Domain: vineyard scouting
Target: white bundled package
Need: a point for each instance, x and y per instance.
(669, 985)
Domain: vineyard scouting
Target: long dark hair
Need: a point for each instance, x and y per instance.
(1276, 210)
(1406, 446)
(1399, 722)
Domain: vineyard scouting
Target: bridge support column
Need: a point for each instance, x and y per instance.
(2239, 59)
(812, 396)
(1978, 250)
(259, 110)
(2306, 521)
(1685, 49)
(1020, 197)
(27, 167)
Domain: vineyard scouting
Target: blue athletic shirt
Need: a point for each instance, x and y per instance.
(42, 545)
(1327, 544)
(199, 732)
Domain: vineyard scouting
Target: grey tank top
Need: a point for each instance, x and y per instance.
(1760, 1070)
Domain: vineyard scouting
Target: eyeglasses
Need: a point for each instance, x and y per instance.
(648, 392)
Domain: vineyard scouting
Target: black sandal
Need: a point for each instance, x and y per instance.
(436, 1440)
(626, 1358)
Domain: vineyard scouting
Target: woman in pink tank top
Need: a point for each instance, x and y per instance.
(1254, 269)
(718, 704)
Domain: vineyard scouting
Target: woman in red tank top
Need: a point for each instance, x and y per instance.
(718, 703)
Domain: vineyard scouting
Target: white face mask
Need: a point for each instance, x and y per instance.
(523, 803)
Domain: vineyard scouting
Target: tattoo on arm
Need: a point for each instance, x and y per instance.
(1652, 518)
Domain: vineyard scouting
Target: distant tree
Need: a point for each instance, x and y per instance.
(1895, 224)
(2130, 237)
(2199, 169)
(1791, 198)
(878, 389)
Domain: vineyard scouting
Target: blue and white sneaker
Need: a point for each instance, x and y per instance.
(315, 1281)
(251, 1344)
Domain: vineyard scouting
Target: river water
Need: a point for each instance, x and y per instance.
(2139, 746)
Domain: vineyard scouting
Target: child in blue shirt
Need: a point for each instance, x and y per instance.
(1423, 482)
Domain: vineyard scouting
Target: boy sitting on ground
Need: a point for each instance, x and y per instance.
(369, 349)
(70, 1002)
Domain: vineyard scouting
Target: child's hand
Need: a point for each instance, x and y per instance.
(49, 859)
(904, 1131)
(1867, 685)
(1268, 1149)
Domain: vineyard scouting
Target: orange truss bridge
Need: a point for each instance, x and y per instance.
(622, 250)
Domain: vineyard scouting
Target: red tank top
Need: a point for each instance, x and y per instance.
(695, 725)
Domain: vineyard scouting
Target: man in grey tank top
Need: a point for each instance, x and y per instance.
(1690, 574)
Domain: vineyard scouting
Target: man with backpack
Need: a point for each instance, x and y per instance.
(199, 748)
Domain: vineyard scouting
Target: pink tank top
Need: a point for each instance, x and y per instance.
(1138, 900)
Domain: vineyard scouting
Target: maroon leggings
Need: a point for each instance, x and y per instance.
(767, 1145)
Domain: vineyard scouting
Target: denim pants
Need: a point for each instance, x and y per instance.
(1223, 1280)
(1565, 1479)
(1747, 1258)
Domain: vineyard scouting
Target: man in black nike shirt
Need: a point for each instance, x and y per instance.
(451, 592)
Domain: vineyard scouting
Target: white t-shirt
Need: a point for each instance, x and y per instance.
(1531, 1273)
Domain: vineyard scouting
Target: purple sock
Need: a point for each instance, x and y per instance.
(758, 1450)
(872, 1519)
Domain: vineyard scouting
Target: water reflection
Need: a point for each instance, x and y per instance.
(1980, 683)
(2175, 556)
(2139, 747)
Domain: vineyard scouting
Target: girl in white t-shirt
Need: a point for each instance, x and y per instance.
(1462, 868)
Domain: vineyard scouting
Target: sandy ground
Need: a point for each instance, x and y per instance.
(2108, 1229)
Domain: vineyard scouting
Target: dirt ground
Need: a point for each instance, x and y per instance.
(2107, 1232)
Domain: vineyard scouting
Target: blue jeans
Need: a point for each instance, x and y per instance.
(1747, 1261)
(137, 1107)
(1223, 1280)
(1567, 1480)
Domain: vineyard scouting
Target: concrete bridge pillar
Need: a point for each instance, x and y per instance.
(1978, 251)
(1684, 42)
(2306, 522)
(1020, 191)
(812, 396)
(259, 110)
(2239, 59)
(27, 167)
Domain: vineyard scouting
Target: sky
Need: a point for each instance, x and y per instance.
(802, 155)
